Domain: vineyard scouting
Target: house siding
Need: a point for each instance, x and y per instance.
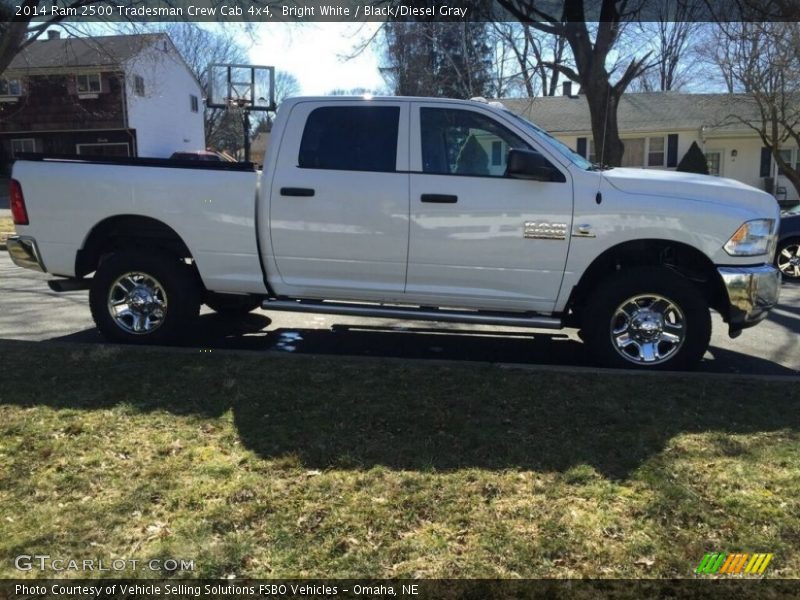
(163, 118)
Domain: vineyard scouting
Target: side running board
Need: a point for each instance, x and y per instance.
(414, 313)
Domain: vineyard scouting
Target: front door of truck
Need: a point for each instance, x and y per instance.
(478, 238)
(339, 200)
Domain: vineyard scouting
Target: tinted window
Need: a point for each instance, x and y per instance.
(351, 138)
(463, 142)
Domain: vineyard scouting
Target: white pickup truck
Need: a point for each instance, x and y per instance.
(407, 208)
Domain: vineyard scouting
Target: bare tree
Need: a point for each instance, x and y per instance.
(533, 54)
(286, 86)
(592, 51)
(762, 61)
(673, 38)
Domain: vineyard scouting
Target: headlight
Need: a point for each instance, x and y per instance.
(753, 238)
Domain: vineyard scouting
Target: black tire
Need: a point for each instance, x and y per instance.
(789, 266)
(660, 300)
(175, 284)
(231, 305)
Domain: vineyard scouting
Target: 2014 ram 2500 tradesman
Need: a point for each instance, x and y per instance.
(411, 208)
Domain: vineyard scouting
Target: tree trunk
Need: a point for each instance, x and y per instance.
(603, 103)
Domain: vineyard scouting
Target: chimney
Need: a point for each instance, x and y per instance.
(53, 34)
(566, 88)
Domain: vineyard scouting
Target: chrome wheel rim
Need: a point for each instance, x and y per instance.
(789, 260)
(648, 329)
(137, 302)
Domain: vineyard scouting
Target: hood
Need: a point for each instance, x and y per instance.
(691, 186)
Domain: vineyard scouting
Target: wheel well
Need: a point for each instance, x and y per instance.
(127, 231)
(795, 237)
(685, 260)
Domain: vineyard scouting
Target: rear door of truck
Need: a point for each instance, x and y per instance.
(339, 200)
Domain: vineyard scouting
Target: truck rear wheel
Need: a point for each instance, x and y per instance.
(144, 298)
(647, 318)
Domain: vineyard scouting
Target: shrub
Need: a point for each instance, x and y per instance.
(694, 161)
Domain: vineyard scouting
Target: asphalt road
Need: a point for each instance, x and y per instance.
(30, 311)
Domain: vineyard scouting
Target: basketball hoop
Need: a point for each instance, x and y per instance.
(239, 103)
(243, 88)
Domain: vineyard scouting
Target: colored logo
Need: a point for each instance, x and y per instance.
(731, 564)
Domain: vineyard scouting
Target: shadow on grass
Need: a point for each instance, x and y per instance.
(356, 414)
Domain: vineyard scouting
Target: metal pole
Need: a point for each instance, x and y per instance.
(246, 125)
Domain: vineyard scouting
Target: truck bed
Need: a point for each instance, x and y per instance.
(210, 206)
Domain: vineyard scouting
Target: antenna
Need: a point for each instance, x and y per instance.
(605, 129)
(598, 198)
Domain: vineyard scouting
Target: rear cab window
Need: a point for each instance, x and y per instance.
(350, 138)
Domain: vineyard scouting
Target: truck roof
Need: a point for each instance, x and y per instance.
(370, 98)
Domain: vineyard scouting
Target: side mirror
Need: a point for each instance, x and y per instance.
(529, 164)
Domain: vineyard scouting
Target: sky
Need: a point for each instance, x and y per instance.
(316, 53)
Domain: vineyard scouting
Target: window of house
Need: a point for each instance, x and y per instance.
(655, 152)
(633, 155)
(88, 84)
(463, 142)
(194, 102)
(138, 85)
(714, 161)
(351, 138)
(653, 149)
(23, 145)
(10, 87)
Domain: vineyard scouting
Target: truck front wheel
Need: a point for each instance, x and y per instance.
(144, 298)
(647, 318)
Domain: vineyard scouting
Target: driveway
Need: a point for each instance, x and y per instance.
(30, 311)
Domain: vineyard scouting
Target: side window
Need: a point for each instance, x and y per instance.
(463, 142)
(351, 138)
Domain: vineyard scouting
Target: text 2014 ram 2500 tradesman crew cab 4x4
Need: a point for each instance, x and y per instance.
(411, 208)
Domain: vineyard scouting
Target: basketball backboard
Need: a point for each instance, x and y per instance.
(243, 86)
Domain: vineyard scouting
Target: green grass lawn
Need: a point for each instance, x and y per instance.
(268, 466)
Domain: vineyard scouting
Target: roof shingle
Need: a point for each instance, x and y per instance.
(651, 111)
(109, 50)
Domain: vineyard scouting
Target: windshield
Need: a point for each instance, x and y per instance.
(572, 156)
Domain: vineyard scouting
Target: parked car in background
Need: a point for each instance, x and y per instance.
(787, 258)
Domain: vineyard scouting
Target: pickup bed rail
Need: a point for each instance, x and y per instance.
(168, 163)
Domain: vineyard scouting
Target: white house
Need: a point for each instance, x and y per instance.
(659, 127)
(120, 95)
